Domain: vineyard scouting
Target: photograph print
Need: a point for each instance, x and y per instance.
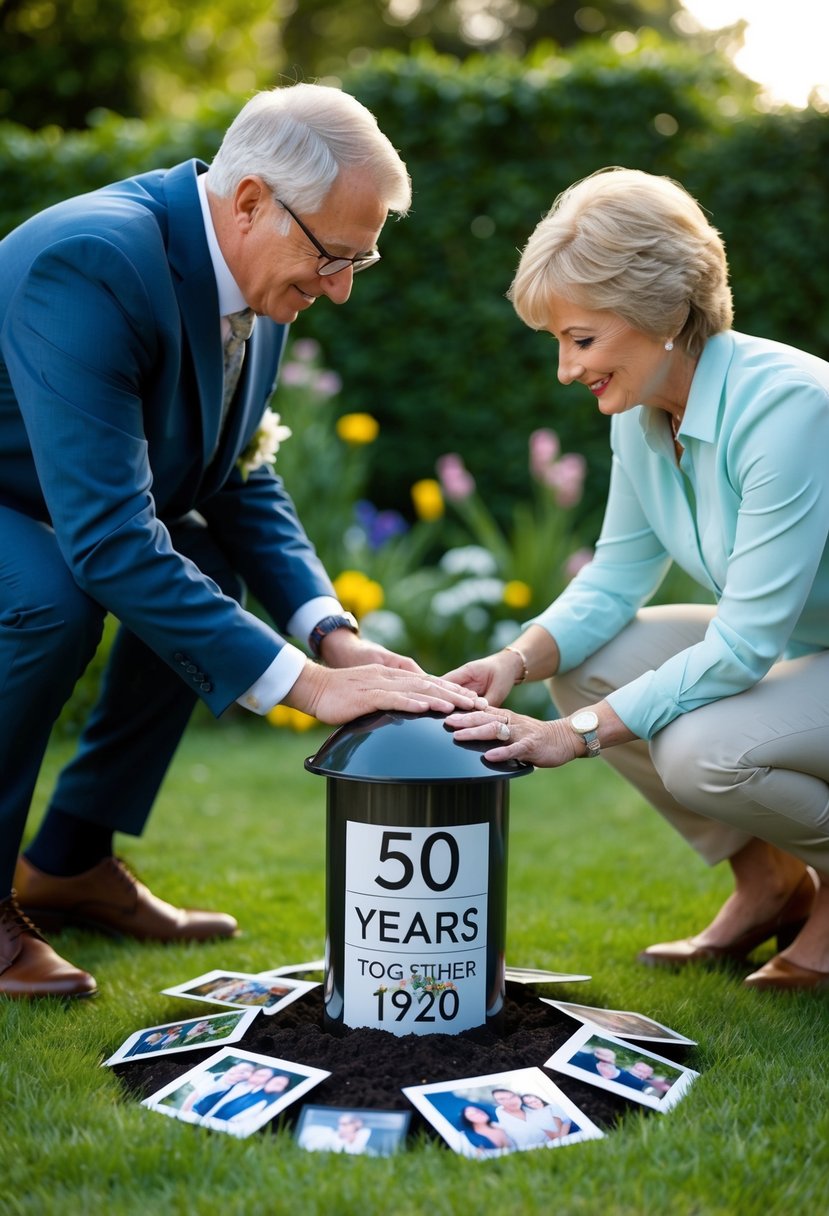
(242, 990)
(355, 1132)
(532, 975)
(624, 1023)
(235, 1091)
(213, 1028)
(490, 1116)
(623, 1069)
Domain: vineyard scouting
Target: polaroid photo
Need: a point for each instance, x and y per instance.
(490, 1116)
(235, 1091)
(356, 1132)
(619, 1067)
(242, 990)
(316, 964)
(531, 975)
(164, 1040)
(623, 1023)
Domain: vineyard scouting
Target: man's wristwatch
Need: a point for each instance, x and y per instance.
(346, 620)
(586, 723)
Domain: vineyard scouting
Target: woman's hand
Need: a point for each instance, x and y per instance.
(545, 744)
(492, 677)
(517, 737)
(339, 695)
(532, 656)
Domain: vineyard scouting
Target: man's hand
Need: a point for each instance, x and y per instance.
(342, 648)
(336, 696)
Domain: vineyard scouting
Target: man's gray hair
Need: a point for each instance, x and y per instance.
(297, 139)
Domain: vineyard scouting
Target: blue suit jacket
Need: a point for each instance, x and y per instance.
(110, 402)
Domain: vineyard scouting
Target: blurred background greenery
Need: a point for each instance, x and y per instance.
(496, 105)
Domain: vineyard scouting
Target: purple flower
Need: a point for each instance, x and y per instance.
(305, 349)
(379, 526)
(327, 383)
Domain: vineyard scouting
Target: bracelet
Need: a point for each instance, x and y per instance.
(525, 671)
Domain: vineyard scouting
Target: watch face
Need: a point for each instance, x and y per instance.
(584, 720)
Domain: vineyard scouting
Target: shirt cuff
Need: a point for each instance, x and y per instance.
(311, 613)
(276, 682)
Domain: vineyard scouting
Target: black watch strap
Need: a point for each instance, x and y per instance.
(344, 620)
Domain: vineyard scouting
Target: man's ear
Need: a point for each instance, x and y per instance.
(249, 197)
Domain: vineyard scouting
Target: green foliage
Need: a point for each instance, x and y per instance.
(428, 344)
(594, 875)
(60, 60)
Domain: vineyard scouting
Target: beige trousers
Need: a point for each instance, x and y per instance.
(752, 765)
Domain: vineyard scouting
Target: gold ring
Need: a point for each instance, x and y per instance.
(504, 732)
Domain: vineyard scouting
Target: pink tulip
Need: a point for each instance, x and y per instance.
(544, 449)
(455, 479)
(566, 478)
(575, 562)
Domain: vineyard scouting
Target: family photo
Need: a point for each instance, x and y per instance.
(184, 1036)
(489, 1116)
(398, 399)
(235, 1091)
(238, 988)
(369, 1133)
(623, 1023)
(620, 1068)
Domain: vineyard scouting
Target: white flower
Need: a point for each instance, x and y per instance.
(264, 445)
(469, 559)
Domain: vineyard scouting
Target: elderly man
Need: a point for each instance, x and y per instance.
(141, 328)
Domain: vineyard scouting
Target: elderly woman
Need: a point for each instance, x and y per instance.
(718, 715)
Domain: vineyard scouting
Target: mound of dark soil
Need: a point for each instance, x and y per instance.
(369, 1067)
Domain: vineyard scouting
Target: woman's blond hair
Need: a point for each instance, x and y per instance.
(634, 244)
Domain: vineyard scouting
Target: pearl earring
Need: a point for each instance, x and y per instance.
(669, 346)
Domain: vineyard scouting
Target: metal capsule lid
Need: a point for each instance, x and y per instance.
(399, 747)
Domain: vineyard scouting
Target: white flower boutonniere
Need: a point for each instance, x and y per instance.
(264, 445)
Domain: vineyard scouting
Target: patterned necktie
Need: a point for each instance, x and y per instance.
(241, 324)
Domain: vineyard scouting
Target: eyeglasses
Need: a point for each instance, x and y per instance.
(332, 264)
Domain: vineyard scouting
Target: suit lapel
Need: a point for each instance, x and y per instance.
(197, 296)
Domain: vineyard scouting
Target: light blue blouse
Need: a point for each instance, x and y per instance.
(746, 514)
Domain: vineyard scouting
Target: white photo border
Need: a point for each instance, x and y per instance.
(523, 1080)
(561, 1061)
(396, 1124)
(244, 1017)
(310, 1077)
(532, 975)
(295, 989)
(582, 1014)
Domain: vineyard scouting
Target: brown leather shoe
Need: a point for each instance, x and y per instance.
(783, 974)
(785, 926)
(110, 899)
(29, 966)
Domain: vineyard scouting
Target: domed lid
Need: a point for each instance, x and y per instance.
(406, 747)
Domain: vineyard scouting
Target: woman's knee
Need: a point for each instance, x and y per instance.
(697, 766)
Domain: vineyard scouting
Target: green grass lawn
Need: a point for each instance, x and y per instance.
(594, 876)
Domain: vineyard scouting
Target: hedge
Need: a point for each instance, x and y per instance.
(428, 343)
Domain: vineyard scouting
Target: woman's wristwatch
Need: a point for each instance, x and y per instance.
(586, 723)
(344, 620)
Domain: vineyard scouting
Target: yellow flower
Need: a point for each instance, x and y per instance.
(517, 594)
(428, 499)
(358, 593)
(357, 429)
(290, 719)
